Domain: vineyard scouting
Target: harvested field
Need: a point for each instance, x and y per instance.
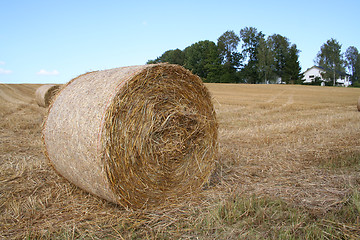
(288, 167)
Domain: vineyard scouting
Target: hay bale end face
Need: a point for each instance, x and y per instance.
(45, 93)
(137, 136)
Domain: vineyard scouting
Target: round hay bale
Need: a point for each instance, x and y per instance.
(45, 94)
(137, 136)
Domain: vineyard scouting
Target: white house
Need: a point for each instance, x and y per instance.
(315, 72)
(311, 73)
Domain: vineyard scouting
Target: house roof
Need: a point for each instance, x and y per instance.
(321, 68)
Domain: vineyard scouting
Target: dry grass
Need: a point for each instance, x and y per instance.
(281, 134)
(289, 168)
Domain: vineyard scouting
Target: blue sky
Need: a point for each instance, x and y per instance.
(54, 41)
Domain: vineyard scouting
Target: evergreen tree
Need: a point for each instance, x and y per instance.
(280, 46)
(292, 69)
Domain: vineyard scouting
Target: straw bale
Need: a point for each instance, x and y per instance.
(45, 93)
(137, 136)
(358, 104)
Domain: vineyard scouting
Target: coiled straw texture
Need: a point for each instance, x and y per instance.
(45, 93)
(137, 136)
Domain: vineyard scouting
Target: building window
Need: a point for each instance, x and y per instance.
(311, 76)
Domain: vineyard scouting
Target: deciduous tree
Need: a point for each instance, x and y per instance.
(329, 57)
(227, 45)
(353, 63)
(265, 61)
(230, 57)
(251, 40)
(171, 56)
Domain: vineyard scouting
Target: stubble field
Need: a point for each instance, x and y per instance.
(288, 167)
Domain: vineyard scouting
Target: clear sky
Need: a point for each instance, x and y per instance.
(53, 41)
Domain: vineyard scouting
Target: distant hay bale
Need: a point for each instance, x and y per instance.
(358, 105)
(45, 94)
(137, 136)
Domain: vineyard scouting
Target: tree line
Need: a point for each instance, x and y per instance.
(251, 57)
(336, 63)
